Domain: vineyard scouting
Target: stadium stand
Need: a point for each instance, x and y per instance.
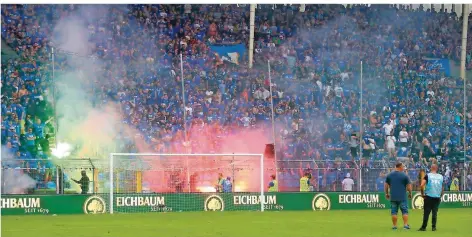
(315, 57)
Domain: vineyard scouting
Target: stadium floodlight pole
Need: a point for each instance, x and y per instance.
(465, 26)
(361, 132)
(53, 79)
(273, 119)
(252, 17)
(465, 18)
(185, 116)
(183, 94)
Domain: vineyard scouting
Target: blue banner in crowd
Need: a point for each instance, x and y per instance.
(230, 53)
(442, 64)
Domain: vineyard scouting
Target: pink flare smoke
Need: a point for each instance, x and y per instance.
(170, 174)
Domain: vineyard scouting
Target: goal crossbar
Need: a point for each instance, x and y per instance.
(261, 157)
(192, 154)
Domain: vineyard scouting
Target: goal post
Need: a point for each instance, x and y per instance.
(156, 182)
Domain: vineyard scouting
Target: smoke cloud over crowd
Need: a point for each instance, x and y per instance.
(91, 114)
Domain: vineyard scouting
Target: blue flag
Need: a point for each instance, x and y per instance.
(441, 64)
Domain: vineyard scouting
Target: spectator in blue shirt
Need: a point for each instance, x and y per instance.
(31, 141)
(397, 184)
(380, 182)
(227, 185)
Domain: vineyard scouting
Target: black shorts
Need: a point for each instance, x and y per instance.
(354, 151)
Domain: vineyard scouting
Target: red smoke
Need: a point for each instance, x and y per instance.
(173, 173)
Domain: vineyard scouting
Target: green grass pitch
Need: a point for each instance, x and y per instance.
(451, 222)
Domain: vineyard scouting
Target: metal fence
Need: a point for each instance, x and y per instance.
(43, 176)
(24, 176)
(328, 175)
(325, 175)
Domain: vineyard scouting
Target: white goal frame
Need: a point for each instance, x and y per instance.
(112, 156)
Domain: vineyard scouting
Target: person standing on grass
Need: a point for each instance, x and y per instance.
(396, 185)
(432, 189)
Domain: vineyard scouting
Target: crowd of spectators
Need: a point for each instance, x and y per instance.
(410, 109)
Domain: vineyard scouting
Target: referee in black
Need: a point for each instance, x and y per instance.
(432, 189)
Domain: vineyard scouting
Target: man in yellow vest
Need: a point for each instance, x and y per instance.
(454, 184)
(273, 185)
(305, 183)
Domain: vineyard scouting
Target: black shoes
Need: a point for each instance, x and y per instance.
(424, 229)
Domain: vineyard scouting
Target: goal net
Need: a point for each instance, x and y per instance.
(185, 182)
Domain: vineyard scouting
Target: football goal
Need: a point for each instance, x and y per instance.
(147, 182)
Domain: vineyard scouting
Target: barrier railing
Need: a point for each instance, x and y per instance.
(43, 176)
(327, 175)
(28, 176)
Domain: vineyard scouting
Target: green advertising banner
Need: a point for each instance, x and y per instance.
(43, 205)
(171, 202)
(180, 202)
(309, 201)
(448, 200)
